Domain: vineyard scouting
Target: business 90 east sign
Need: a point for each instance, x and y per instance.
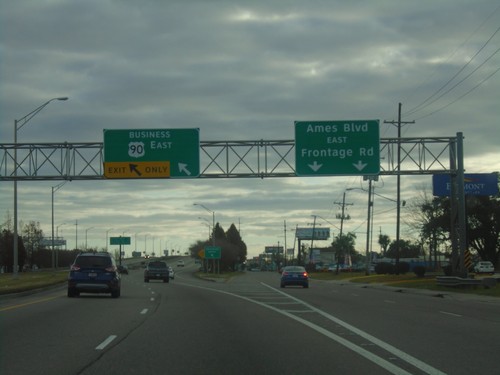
(151, 153)
(350, 147)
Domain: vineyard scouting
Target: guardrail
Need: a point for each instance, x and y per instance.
(455, 281)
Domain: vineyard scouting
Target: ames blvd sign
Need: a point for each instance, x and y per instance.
(324, 148)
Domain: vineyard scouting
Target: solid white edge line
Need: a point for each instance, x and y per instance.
(390, 367)
(106, 342)
(389, 348)
(450, 313)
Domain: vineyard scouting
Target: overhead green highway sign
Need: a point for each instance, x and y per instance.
(151, 153)
(325, 148)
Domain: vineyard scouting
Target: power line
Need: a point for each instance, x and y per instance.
(460, 97)
(430, 100)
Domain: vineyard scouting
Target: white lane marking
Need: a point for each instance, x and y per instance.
(452, 314)
(389, 301)
(391, 349)
(144, 311)
(106, 342)
(152, 299)
(390, 367)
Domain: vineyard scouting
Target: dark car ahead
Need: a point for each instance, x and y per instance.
(156, 270)
(94, 273)
(294, 275)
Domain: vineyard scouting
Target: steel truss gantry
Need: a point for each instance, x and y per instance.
(247, 159)
(219, 159)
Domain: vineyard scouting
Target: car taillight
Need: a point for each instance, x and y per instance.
(305, 274)
(110, 269)
(284, 273)
(75, 267)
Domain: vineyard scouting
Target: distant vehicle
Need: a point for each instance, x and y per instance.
(156, 270)
(484, 267)
(171, 273)
(180, 263)
(123, 269)
(294, 275)
(94, 272)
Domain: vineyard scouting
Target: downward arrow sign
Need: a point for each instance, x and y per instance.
(360, 165)
(182, 168)
(315, 166)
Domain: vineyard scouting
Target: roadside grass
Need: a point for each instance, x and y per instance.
(30, 280)
(223, 276)
(408, 280)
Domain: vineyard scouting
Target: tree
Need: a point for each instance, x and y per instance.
(483, 227)
(482, 224)
(407, 249)
(233, 249)
(32, 236)
(233, 236)
(7, 253)
(384, 242)
(343, 245)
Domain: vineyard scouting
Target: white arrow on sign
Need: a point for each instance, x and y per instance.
(182, 168)
(360, 165)
(315, 167)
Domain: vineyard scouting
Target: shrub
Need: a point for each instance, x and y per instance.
(384, 268)
(403, 267)
(419, 271)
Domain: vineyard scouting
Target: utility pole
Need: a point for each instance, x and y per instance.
(284, 251)
(312, 239)
(342, 217)
(398, 123)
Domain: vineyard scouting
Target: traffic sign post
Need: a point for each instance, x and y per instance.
(151, 153)
(325, 148)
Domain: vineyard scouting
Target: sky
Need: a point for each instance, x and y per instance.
(241, 70)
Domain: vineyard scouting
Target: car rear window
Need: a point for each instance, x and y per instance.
(294, 269)
(90, 261)
(157, 265)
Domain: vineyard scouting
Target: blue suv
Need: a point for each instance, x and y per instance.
(94, 273)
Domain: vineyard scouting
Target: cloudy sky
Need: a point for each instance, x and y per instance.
(240, 70)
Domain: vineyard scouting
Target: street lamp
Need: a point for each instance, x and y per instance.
(208, 224)
(54, 189)
(57, 229)
(86, 231)
(18, 124)
(107, 238)
(213, 220)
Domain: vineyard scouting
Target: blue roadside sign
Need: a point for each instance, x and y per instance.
(474, 184)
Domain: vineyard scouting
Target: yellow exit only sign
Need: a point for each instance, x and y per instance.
(140, 169)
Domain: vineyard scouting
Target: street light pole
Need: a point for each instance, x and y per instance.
(18, 124)
(213, 220)
(107, 242)
(54, 189)
(86, 231)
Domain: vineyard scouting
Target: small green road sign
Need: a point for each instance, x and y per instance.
(212, 252)
(325, 148)
(119, 240)
(143, 149)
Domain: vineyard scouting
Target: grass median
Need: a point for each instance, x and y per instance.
(27, 281)
(409, 280)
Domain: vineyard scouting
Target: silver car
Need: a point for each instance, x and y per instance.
(484, 267)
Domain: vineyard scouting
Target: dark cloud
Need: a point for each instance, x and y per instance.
(240, 71)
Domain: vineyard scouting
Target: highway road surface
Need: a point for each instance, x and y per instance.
(248, 325)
